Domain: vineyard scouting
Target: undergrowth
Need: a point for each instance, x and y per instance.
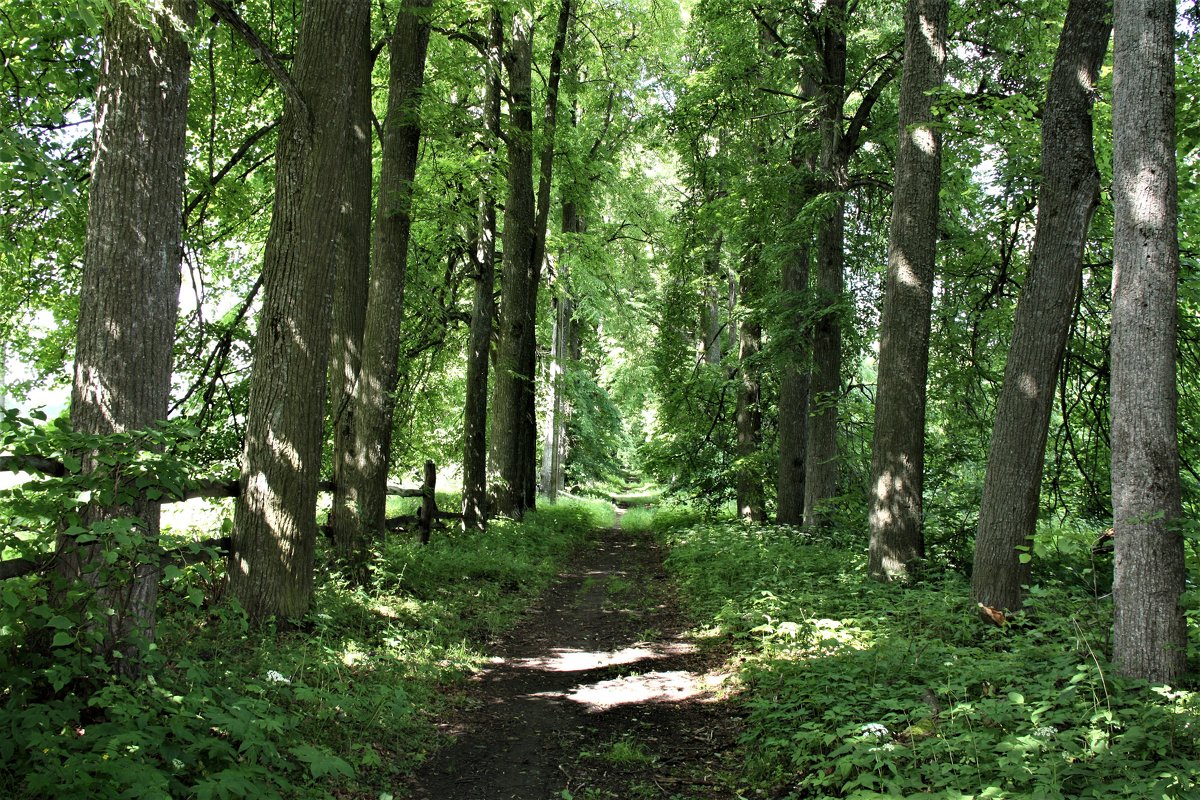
(339, 704)
(857, 689)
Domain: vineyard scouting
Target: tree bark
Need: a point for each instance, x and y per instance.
(1067, 199)
(375, 392)
(1149, 630)
(751, 500)
(483, 307)
(710, 313)
(554, 443)
(352, 275)
(898, 452)
(518, 305)
(528, 442)
(129, 297)
(821, 457)
(554, 461)
(794, 374)
(274, 535)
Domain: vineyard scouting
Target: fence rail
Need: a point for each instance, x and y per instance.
(194, 552)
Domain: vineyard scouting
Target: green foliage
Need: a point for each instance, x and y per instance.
(596, 431)
(339, 705)
(858, 689)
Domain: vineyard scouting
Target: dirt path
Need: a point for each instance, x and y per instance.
(598, 694)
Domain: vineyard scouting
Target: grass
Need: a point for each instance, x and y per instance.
(340, 704)
(857, 689)
(627, 751)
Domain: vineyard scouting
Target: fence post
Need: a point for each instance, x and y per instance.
(428, 501)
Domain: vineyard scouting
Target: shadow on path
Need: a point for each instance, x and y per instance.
(598, 692)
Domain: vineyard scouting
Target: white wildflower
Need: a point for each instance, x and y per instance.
(875, 729)
(1044, 732)
(276, 677)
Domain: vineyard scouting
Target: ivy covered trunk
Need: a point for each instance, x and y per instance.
(1067, 199)
(274, 535)
(1149, 630)
(375, 397)
(128, 305)
(898, 449)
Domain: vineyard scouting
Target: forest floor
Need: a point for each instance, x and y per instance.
(598, 693)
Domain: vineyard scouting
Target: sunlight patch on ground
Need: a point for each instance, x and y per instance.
(654, 687)
(571, 660)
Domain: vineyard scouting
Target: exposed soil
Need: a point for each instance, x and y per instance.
(598, 694)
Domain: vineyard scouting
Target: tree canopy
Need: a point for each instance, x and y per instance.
(869, 269)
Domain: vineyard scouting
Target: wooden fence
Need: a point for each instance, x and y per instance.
(425, 518)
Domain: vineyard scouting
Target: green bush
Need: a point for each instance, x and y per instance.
(858, 689)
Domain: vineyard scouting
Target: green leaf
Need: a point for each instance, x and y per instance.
(62, 639)
(321, 762)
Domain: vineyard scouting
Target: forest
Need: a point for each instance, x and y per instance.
(338, 337)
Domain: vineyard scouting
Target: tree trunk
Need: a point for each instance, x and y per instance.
(375, 392)
(1070, 190)
(555, 432)
(528, 443)
(821, 457)
(794, 375)
(1149, 631)
(483, 307)
(518, 303)
(271, 558)
(710, 314)
(751, 502)
(129, 297)
(352, 272)
(554, 462)
(898, 452)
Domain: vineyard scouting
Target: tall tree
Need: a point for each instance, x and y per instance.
(274, 535)
(796, 369)
(793, 395)
(1067, 199)
(129, 299)
(483, 306)
(375, 390)
(528, 444)
(821, 457)
(565, 334)
(751, 503)
(1149, 631)
(898, 453)
(518, 301)
(349, 310)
